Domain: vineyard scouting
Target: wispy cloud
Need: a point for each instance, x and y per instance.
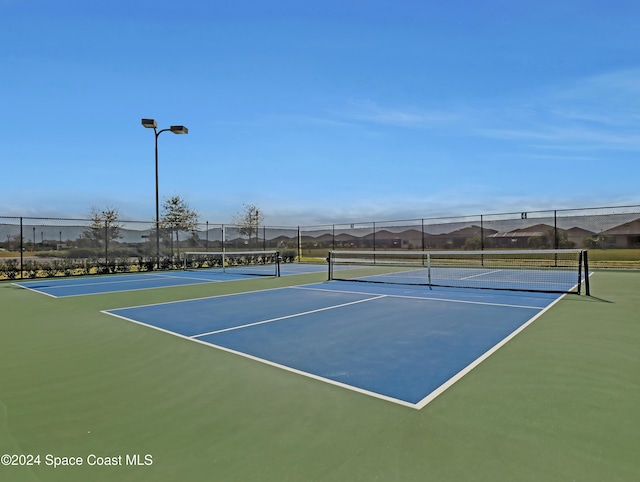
(371, 117)
(586, 119)
(567, 137)
(414, 117)
(599, 112)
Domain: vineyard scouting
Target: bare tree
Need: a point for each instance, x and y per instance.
(178, 216)
(105, 225)
(248, 221)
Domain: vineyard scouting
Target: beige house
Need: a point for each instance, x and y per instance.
(626, 235)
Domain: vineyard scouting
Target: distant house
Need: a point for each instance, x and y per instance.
(384, 239)
(411, 239)
(626, 235)
(459, 239)
(539, 235)
(577, 235)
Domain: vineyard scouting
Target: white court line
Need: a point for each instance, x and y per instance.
(442, 388)
(288, 316)
(166, 276)
(35, 290)
(270, 363)
(153, 277)
(99, 282)
(199, 298)
(482, 274)
(95, 282)
(311, 375)
(429, 298)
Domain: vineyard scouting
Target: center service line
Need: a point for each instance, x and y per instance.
(288, 316)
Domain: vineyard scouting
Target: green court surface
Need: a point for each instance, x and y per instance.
(558, 402)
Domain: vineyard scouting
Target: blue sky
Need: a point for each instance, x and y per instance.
(319, 111)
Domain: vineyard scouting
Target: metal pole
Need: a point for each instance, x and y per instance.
(374, 236)
(555, 230)
(151, 123)
(482, 239)
(333, 237)
(21, 248)
(106, 246)
(157, 203)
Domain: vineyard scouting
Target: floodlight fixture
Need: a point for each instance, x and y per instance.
(179, 129)
(149, 123)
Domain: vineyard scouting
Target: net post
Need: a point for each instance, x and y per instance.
(329, 262)
(278, 264)
(580, 261)
(429, 267)
(587, 288)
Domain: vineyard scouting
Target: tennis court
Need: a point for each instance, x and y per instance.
(405, 345)
(386, 336)
(64, 287)
(300, 378)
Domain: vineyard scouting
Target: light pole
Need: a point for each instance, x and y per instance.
(151, 124)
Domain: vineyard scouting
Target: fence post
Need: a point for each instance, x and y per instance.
(555, 229)
(374, 236)
(106, 247)
(21, 248)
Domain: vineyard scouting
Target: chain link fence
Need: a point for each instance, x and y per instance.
(43, 247)
(605, 228)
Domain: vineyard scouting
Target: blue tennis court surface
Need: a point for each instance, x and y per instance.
(59, 288)
(401, 344)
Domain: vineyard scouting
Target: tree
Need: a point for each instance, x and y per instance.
(105, 225)
(249, 220)
(599, 241)
(474, 243)
(178, 216)
(564, 242)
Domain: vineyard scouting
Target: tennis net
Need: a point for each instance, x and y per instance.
(251, 263)
(552, 270)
